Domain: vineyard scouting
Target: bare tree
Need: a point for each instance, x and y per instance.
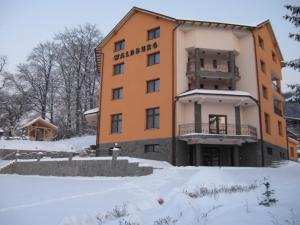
(77, 49)
(34, 79)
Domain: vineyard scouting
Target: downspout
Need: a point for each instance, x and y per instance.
(173, 97)
(99, 111)
(259, 102)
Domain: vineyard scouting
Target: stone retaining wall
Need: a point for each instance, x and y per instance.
(86, 168)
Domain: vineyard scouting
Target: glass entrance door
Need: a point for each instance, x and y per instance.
(217, 124)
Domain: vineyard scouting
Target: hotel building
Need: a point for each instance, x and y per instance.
(191, 92)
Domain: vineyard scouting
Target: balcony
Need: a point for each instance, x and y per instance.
(205, 133)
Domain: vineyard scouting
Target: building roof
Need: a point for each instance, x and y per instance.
(189, 22)
(292, 118)
(42, 121)
(91, 111)
(293, 140)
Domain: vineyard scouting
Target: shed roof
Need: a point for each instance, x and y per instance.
(42, 121)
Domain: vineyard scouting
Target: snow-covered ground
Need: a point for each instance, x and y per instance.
(73, 144)
(36, 200)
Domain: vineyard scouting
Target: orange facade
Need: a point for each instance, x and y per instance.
(134, 79)
(268, 59)
(293, 147)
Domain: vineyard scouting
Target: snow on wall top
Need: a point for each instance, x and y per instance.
(91, 111)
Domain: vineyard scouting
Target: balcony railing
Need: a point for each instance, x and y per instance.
(276, 88)
(222, 129)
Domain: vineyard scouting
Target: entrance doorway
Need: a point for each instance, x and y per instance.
(217, 155)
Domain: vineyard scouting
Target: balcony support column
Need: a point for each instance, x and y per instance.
(198, 154)
(237, 120)
(197, 117)
(236, 157)
(197, 67)
(231, 69)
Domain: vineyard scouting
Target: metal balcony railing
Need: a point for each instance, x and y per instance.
(222, 129)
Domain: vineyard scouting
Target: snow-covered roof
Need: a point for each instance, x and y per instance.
(215, 92)
(293, 140)
(41, 120)
(292, 118)
(91, 111)
(1, 130)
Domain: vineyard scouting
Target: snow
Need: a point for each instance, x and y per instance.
(95, 110)
(39, 119)
(35, 200)
(217, 92)
(72, 145)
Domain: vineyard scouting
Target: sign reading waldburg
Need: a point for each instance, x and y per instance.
(135, 51)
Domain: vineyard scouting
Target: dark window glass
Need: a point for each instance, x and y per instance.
(151, 148)
(152, 118)
(265, 92)
(263, 66)
(119, 68)
(267, 123)
(153, 86)
(153, 58)
(261, 42)
(120, 45)
(202, 63)
(270, 151)
(116, 123)
(280, 130)
(117, 93)
(215, 64)
(216, 86)
(201, 85)
(154, 33)
(217, 124)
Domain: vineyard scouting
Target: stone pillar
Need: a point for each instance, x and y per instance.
(231, 69)
(198, 155)
(237, 120)
(197, 117)
(236, 156)
(197, 67)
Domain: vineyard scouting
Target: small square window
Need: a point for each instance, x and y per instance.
(154, 33)
(261, 42)
(119, 68)
(117, 93)
(151, 148)
(153, 59)
(263, 66)
(265, 92)
(153, 86)
(119, 45)
(270, 151)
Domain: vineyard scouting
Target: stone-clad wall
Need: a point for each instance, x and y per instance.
(89, 168)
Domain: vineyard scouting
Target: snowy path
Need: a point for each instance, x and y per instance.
(35, 200)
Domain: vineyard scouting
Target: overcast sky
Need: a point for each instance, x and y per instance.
(25, 23)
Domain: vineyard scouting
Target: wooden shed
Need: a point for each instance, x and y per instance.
(39, 129)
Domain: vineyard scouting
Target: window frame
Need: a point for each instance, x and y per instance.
(265, 92)
(152, 118)
(119, 94)
(280, 128)
(155, 59)
(122, 45)
(155, 34)
(274, 57)
(267, 120)
(155, 148)
(261, 42)
(263, 66)
(116, 120)
(119, 71)
(155, 87)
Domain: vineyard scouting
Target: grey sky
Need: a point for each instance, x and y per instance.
(25, 23)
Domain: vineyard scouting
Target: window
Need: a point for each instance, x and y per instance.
(215, 64)
(217, 124)
(202, 63)
(261, 42)
(116, 123)
(151, 148)
(153, 58)
(280, 131)
(265, 92)
(154, 33)
(292, 152)
(201, 85)
(119, 68)
(274, 57)
(267, 123)
(119, 45)
(216, 86)
(152, 120)
(117, 93)
(281, 154)
(153, 85)
(263, 66)
(270, 151)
